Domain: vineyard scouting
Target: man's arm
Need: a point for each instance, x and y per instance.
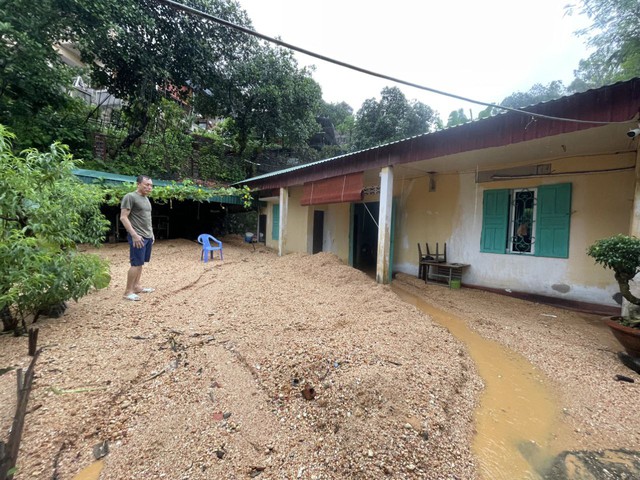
(124, 219)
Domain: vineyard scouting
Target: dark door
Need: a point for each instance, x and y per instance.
(262, 228)
(365, 236)
(318, 230)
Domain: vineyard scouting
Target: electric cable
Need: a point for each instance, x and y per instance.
(213, 18)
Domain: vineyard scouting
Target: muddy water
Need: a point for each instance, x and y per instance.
(517, 421)
(92, 472)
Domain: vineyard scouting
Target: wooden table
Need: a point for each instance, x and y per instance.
(444, 271)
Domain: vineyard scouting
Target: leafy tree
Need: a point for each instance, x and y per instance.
(338, 113)
(615, 35)
(457, 117)
(215, 153)
(166, 149)
(592, 72)
(392, 118)
(536, 94)
(141, 50)
(341, 116)
(33, 101)
(345, 132)
(268, 97)
(169, 150)
(44, 212)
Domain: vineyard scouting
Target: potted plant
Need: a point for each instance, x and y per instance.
(621, 253)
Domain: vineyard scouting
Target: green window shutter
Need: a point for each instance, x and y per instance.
(495, 221)
(553, 220)
(275, 231)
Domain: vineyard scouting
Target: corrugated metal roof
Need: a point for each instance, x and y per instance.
(320, 162)
(614, 103)
(91, 176)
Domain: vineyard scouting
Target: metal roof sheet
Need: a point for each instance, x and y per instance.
(615, 103)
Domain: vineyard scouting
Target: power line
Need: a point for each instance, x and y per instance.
(213, 18)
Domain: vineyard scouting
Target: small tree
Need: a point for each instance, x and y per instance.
(44, 212)
(620, 253)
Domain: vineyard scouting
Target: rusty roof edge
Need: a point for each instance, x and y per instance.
(381, 155)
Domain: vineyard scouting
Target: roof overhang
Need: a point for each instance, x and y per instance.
(489, 143)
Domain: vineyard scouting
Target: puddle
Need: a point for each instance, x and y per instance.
(92, 472)
(517, 429)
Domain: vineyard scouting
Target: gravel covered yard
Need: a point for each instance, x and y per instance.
(288, 367)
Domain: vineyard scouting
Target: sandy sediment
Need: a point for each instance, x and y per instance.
(207, 376)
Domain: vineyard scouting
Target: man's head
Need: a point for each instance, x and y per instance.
(145, 185)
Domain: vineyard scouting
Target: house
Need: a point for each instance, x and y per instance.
(517, 197)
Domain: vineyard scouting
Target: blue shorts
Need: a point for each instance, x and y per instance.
(138, 256)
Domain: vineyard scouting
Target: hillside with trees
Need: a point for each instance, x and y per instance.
(200, 100)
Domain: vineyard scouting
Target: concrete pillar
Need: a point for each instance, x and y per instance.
(384, 225)
(284, 207)
(634, 228)
(634, 231)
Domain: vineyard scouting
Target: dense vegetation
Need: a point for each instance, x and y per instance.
(259, 111)
(45, 211)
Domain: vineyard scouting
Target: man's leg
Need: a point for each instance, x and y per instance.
(133, 276)
(146, 256)
(136, 259)
(136, 282)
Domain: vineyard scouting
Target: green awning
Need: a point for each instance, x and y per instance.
(93, 176)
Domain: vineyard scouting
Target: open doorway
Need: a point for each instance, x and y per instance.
(262, 228)
(318, 230)
(365, 236)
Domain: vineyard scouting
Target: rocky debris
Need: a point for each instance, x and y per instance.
(100, 450)
(596, 465)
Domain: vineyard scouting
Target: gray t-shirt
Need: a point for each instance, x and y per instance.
(140, 213)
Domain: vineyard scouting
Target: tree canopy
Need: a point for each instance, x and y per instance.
(392, 118)
(32, 75)
(140, 50)
(615, 35)
(268, 97)
(457, 117)
(149, 55)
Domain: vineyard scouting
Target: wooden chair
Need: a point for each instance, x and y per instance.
(422, 264)
(437, 257)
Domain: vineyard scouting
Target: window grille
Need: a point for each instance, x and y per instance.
(522, 221)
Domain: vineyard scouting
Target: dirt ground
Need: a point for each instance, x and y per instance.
(288, 367)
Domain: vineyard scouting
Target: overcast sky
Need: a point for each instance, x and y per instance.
(484, 50)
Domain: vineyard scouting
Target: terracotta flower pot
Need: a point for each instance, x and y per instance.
(627, 336)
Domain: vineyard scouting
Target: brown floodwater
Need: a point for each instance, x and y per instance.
(92, 472)
(518, 427)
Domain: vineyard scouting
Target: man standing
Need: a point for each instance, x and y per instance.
(135, 215)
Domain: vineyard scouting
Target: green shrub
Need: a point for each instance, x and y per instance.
(45, 212)
(620, 253)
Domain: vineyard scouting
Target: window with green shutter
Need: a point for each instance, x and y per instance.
(527, 221)
(495, 219)
(275, 230)
(553, 220)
